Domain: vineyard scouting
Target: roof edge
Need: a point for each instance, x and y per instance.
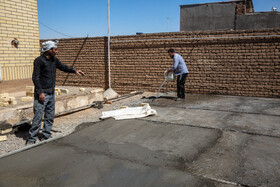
(221, 2)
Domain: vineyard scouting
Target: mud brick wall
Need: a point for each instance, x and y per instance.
(244, 63)
(88, 55)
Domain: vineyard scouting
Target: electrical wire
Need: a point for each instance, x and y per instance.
(55, 30)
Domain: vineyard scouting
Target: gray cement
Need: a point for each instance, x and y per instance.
(259, 20)
(203, 17)
(57, 165)
(111, 153)
(245, 159)
(202, 141)
(259, 116)
(222, 16)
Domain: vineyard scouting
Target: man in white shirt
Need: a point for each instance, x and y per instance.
(181, 71)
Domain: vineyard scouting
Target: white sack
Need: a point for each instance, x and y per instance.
(129, 113)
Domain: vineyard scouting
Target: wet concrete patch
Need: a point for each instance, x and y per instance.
(54, 164)
(244, 159)
(243, 122)
(145, 142)
(251, 105)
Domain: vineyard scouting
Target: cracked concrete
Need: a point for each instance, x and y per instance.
(259, 116)
(245, 159)
(202, 141)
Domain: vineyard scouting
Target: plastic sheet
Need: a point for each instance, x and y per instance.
(129, 113)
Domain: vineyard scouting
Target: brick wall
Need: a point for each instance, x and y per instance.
(87, 54)
(18, 19)
(221, 62)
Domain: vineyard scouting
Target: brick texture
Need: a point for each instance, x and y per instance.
(244, 63)
(18, 19)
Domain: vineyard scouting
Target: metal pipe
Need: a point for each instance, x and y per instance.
(201, 38)
(109, 72)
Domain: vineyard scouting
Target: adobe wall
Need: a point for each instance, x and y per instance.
(239, 63)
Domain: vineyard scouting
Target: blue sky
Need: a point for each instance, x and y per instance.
(79, 18)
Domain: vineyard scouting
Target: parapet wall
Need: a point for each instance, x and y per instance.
(244, 63)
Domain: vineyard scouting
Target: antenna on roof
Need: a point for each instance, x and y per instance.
(167, 19)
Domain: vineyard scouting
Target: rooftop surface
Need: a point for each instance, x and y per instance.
(205, 140)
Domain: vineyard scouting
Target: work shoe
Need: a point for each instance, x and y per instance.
(29, 143)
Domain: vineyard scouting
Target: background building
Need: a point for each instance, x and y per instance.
(228, 15)
(19, 38)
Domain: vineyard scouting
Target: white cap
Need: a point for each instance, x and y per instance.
(48, 45)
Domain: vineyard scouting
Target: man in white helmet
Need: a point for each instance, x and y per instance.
(44, 75)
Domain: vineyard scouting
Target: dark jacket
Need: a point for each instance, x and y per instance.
(44, 73)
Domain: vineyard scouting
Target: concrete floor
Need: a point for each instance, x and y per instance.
(202, 141)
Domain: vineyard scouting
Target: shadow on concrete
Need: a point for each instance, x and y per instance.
(152, 98)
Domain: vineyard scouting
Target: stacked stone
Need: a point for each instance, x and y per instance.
(29, 94)
(6, 100)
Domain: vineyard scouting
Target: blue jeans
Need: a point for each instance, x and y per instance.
(47, 108)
